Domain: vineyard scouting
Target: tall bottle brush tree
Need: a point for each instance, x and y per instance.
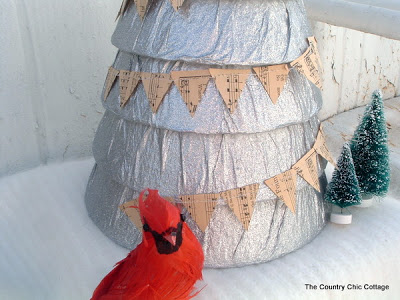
(343, 190)
(369, 147)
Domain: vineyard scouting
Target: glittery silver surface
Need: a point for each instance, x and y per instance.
(273, 232)
(178, 163)
(240, 32)
(298, 102)
(214, 151)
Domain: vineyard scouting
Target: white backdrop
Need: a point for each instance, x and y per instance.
(355, 64)
(53, 60)
(54, 56)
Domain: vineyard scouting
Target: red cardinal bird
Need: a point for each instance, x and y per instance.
(167, 263)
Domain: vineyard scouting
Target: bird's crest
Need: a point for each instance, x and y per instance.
(157, 212)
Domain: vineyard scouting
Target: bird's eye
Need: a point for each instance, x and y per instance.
(146, 227)
(170, 231)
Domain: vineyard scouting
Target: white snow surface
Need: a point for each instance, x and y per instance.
(50, 249)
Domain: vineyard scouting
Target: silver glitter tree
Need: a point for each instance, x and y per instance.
(214, 150)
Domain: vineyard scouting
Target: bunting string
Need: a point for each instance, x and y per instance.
(229, 82)
(242, 200)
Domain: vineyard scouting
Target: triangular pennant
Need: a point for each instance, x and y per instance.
(156, 85)
(322, 149)
(307, 66)
(128, 82)
(111, 76)
(191, 85)
(273, 78)
(176, 4)
(284, 186)
(200, 207)
(230, 84)
(132, 212)
(141, 7)
(131, 209)
(313, 43)
(124, 7)
(242, 201)
(306, 167)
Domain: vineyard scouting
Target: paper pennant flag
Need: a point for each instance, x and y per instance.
(242, 201)
(200, 207)
(284, 186)
(322, 149)
(128, 82)
(111, 76)
(313, 43)
(141, 7)
(191, 85)
(124, 7)
(132, 211)
(307, 66)
(230, 84)
(306, 167)
(176, 4)
(273, 78)
(156, 85)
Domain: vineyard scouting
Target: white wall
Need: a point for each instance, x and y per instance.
(355, 64)
(54, 57)
(53, 60)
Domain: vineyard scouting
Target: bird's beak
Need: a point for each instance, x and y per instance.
(171, 238)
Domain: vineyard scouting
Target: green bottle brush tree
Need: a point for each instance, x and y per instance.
(369, 147)
(343, 190)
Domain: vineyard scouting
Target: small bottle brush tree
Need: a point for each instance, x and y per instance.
(370, 150)
(343, 190)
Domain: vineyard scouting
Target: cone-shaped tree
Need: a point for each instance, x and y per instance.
(370, 149)
(343, 190)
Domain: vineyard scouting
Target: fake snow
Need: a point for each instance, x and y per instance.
(50, 249)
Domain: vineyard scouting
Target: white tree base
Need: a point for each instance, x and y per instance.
(365, 203)
(343, 219)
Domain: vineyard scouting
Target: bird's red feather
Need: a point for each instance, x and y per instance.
(147, 274)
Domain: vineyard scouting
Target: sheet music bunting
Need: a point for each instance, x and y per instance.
(273, 78)
(307, 65)
(176, 4)
(156, 85)
(128, 82)
(141, 7)
(111, 77)
(242, 199)
(284, 186)
(307, 168)
(230, 84)
(191, 85)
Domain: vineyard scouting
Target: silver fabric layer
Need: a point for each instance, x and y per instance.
(177, 163)
(214, 151)
(298, 102)
(274, 230)
(240, 32)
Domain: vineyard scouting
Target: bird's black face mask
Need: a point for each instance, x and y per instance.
(163, 245)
